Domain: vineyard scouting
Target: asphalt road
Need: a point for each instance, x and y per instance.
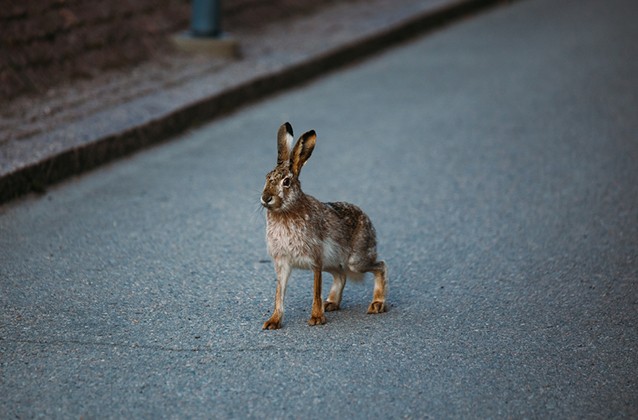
(497, 159)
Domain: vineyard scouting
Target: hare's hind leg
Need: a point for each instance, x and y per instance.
(380, 271)
(334, 297)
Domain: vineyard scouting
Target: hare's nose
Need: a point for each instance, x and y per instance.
(267, 199)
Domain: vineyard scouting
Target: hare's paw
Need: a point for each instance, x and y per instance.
(273, 323)
(317, 320)
(377, 307)
(330, 306)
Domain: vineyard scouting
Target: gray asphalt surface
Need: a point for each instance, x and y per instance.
(497, 159)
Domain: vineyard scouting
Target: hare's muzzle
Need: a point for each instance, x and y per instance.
(267, 200)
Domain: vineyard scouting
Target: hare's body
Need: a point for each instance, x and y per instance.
(304, 233)
(339, 233)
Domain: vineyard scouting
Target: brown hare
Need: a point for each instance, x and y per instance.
(306, 234)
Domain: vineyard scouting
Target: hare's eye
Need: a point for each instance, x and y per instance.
(286, 182)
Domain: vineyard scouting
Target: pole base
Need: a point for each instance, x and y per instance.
(222, 46)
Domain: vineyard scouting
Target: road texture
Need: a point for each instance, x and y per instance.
(497, 159)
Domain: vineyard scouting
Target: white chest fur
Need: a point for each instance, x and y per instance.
(295, 242)
(291, 241)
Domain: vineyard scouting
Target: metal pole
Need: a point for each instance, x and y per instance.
(205, 35)
(206, 18)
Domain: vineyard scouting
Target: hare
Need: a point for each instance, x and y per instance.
(306, 234)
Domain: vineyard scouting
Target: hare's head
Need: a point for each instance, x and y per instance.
(282, 183)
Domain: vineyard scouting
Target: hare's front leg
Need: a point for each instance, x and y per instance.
(283, 270)
(317, 316)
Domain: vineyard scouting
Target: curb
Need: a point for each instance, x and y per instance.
(55, 168)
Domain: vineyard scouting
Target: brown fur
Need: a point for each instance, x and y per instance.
(306, 234)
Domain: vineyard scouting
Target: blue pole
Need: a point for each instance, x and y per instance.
(206, 18)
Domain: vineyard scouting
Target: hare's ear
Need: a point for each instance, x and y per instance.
(284, 143)
(302, 151)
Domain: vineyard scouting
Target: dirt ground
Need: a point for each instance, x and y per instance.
(48, 42)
